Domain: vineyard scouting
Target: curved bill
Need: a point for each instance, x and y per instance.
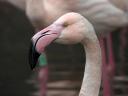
(45, 39)
(41, 40)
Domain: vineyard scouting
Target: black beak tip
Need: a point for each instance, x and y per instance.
(33, 56)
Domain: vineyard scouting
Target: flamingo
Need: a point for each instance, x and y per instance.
(104, 16)
(72, 28)
(122, 4)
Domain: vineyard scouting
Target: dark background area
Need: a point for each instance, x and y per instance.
(15, 34)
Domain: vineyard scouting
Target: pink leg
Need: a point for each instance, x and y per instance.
(111, 60)
(108, 64)
(43, 78)
(105, 77)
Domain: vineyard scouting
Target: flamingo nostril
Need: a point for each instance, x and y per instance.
(45, 32)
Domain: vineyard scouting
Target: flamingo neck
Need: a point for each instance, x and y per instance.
(92, 75)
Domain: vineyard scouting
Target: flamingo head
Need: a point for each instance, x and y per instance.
(68, 29)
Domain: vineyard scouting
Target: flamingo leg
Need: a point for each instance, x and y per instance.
(105, 77)
(43, 78)
(108, 64)
(111, 60)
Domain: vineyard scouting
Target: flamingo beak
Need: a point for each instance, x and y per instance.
(41, 40)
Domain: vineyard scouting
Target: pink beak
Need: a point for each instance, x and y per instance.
(41, 40)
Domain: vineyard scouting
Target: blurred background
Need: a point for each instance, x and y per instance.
(66, 63)
(14, 42)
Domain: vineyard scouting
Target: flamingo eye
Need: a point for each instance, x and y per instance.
(65, 25)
